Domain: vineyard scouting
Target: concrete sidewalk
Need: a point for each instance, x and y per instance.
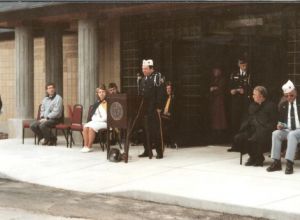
(204, 177)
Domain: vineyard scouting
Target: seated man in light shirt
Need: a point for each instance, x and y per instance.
(51, 115)
(288, 128)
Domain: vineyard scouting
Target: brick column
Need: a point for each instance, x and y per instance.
(54, 57)
(87, 63)
(24, 80)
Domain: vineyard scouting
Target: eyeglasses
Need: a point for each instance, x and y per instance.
(289, 95)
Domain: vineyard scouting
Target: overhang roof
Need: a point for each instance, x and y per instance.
(13, 6)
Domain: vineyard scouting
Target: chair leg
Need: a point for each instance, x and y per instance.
(100, 140)
(66, 137)
(82, 138)
(68, 134)
(23, 135)
(71, 138)
(55, 136)
(241, 158)
(119, 140)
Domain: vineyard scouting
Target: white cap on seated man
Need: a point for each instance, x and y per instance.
(288, 87)
(288, 128)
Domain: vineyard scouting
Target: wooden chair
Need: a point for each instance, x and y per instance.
(65, 128)
(27, 125)
(76, 122)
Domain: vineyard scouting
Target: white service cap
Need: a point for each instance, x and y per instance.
(147, 62)
(288, 87)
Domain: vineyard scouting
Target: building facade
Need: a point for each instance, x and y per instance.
(78, 46)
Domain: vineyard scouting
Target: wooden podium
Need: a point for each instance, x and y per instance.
(122, 110)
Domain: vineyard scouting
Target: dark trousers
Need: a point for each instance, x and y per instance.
(169, 130)
(244, 142)
(239, 107)
(43, 130)
(151, 133)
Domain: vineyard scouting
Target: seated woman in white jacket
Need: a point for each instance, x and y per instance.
(97, 120)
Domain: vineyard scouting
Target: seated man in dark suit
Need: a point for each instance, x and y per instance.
(167, 115)
(255, 132)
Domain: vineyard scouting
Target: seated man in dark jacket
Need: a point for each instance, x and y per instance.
(255, 132)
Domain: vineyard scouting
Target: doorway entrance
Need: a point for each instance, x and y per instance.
(192, 65)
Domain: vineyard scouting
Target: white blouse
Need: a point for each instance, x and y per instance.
(100, 114)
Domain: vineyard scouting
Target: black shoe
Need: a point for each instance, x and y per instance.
(145, 154)
(250, 162)
(289, 167)
(52, 142)
(233, 150)
(260, 162)
(159, 156)
(275, 166)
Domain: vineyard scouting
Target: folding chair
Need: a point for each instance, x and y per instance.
(76, 122)
(64, 128)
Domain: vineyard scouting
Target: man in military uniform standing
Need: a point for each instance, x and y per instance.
(151, 88)
(240, 89)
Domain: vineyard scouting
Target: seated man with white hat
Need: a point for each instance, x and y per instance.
(288, 128)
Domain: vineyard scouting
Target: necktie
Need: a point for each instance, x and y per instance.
(293, 121)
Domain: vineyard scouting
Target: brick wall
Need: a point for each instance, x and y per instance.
(109, 70)
(7, 74)
(293, 48)
(39, 72)
(7, 79)
(70, 66)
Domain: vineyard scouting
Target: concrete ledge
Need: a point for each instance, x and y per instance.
(207, 205)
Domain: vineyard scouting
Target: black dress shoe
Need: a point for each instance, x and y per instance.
(145, 154)
(289, 167)
(260, 162)
(159, 156)
(52, 142)
(233, 150)
(275, 166)
(250, 162)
